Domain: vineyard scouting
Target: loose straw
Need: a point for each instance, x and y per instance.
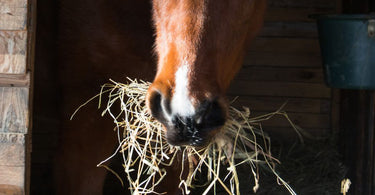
(145, 150)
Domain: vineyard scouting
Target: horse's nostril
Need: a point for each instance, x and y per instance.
(210, 114)
(154, 104)
(158, 105)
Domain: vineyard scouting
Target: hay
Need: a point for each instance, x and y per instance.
(345, 186)
(145, 151)
(314, 167)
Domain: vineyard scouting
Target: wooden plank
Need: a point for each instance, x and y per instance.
(13, 52)
(303, 120)
(12, 175)
(282, 74)
(10, 190)
(14, 110)
(289, 29)
(357, 141)
(14, 80)
(279, 89)
(335, 110)
(13, 14)
(301, 4)
(275, 14)
(285, 45)
(12, 149)
(30, 61)
(283, 60)
(296, 105)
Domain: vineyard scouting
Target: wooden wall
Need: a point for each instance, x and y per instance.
(15, 61)
(284, 64)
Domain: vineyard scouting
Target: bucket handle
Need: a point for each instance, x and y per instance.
(371, 28)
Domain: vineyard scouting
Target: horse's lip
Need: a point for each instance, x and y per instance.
(195, 145)
(199, 137)
(204, 139)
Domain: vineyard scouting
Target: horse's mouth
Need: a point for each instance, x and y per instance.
(197, 138)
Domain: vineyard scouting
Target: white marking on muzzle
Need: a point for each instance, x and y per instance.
(181, 103)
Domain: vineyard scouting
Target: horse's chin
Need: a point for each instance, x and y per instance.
(197, 142)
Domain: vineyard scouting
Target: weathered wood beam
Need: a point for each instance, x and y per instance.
(13, 14)
(13, 51)
(14, 109)
(14, 80)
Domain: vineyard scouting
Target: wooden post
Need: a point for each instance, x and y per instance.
(16, 37)
(357, 139)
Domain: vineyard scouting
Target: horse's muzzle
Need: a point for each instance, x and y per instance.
(199, 129)
(194, 130)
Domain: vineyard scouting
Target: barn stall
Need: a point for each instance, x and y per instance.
(283, 65)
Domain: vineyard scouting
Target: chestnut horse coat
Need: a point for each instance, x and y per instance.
(99, 40)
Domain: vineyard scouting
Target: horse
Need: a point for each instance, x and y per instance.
(199, 47)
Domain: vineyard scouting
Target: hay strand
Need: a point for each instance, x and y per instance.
(144, 148)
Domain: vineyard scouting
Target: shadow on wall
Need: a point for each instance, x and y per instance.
(79, 46)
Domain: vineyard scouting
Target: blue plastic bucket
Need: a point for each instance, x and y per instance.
(347, 45)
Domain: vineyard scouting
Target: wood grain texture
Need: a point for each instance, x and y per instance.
(279, 89)
(283, 60)
(284, 63)
(303, 4)
(14, 110)
(289, 134)
(10, 190)
(12, 175)
(13, 14)
(12, 149)
(289, 29)
(295, 105)
(303, 120)
(292, 14)
(282, 74)
(285, 45)
(13, 52)
(14, 80)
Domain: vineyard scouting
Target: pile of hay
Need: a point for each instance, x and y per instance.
(314, 167)
(145, 151)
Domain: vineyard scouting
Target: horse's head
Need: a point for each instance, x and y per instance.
(200, 45)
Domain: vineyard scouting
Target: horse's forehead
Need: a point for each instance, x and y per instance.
(209, 35)
(185, 23)
(179, 25)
